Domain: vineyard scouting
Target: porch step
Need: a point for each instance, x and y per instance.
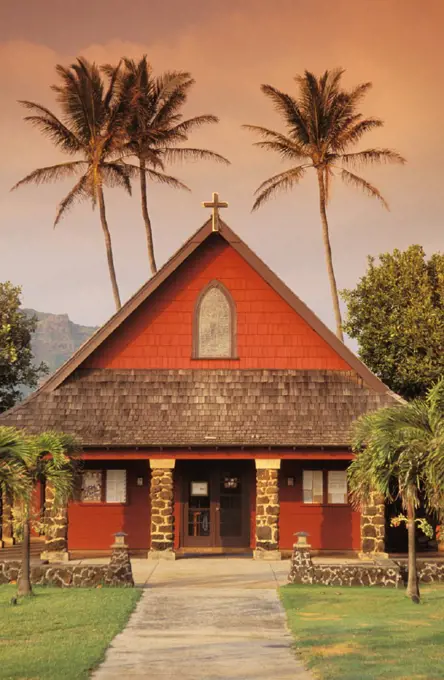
(14, 552)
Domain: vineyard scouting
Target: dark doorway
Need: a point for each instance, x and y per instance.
(215, 504)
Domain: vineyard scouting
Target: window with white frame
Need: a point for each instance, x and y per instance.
(312, 486)
(337, 486)
(103, 486)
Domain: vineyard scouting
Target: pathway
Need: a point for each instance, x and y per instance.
(206, 619)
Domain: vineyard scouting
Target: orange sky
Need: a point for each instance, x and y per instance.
(230, 48)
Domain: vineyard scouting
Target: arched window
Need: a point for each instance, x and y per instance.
(214, 323)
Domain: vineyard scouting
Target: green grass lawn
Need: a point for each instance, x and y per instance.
(60, 634)
(367, 633)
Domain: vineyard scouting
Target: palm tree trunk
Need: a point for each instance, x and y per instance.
(146, 219)
(328, 255)
(109, 250)
(412, 582)
(24, 585)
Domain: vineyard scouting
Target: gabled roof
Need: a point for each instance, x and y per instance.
(369, 378)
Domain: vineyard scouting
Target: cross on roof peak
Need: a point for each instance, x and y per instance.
(215, 204)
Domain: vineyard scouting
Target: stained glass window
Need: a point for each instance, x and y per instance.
(91, 486)
(215, 324)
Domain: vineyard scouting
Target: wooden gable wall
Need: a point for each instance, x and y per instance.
(270, 334)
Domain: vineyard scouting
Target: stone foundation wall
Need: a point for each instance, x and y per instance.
(162, 509)
(303, 570)
(373, 526)
(267, 510)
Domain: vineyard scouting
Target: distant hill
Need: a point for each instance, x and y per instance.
(56, 338)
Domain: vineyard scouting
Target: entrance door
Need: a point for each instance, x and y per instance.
(215, 505)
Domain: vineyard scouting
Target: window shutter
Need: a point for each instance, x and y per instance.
(116, 486)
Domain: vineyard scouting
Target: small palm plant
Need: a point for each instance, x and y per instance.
(156, 127)
(400, 454)
(25, 461)
(323, 123)
(92, 126)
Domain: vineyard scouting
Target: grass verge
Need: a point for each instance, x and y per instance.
(60, 633)
(367, 633)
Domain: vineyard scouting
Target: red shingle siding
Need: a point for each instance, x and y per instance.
(269, 333)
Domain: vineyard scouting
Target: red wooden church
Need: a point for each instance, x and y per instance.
(214, 410)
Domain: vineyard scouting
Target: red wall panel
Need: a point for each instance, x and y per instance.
(331, 527)
(91, 525)
(269, 332)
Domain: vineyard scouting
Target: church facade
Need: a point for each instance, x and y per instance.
(214, 411)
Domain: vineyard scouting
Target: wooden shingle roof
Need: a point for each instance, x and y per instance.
(108, 407)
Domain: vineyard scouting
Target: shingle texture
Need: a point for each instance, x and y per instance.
(202, 407)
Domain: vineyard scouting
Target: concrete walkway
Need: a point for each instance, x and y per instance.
(206, 619)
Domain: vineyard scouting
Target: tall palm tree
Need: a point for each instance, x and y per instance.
(400, 454)
(92, 126)
(156, 127)
(49, 458)
(322, 124)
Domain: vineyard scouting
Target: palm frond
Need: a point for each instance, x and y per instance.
(281, 182)
(184, 154)
(161, 177)
(370, 156)
(117, 175)
(360, 183)
(80, 192)
(352, 133)
(289, 108)
(53, 128)
(52, 173)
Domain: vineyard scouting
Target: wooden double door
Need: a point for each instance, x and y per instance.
(216, 504)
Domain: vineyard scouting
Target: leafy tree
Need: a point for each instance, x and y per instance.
(396, 313)
(47, 458)
(92, 126)
(322, 124)
(400, 455)
(16, 329)
(156, 127)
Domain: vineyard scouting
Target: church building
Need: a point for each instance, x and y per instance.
(214, 410)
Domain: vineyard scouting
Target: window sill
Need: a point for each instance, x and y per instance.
(96, 504)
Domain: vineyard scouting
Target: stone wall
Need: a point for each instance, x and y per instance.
(267, 509)
(162, 508)
(303, 570)
(116, 573)
(429, 570)
(373, 526)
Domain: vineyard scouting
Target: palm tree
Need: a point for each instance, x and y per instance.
(156, 128)
(400, 454)
(323, 123)
(92, 126)
(48, 458)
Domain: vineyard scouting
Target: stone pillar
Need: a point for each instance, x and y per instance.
(119, 571)
(267, 509)
(162, 509)
(301, 566)
(56, 539)
(373, 528)
(7, 528)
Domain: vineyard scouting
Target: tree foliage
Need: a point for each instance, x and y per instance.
(396, 313)
(322, 125)
(156, 129)
(91, 131)
(16, 358)
(50, 458)
(400, 455)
